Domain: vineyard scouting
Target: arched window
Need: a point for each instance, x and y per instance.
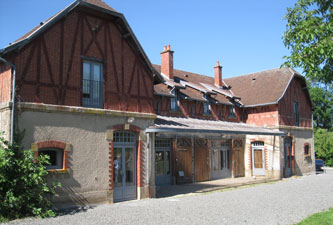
(56, 157)
(58, 153)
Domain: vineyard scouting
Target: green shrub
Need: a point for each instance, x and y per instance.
(24, 190)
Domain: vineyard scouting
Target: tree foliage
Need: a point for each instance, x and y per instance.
(24, 190)
(309, 36)
(322, 99)
(324, 145)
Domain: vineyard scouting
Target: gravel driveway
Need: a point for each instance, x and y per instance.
(285, 202)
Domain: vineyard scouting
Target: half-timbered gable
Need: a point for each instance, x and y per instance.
(295, 107)
(85, 55)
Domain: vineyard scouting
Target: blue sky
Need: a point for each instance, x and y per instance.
(245, 36)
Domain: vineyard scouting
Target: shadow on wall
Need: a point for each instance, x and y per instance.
(66, 196)
(306, 167)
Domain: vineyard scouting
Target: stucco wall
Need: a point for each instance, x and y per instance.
(5, 120)
(304, 165)
(273, 149)
(88, 178)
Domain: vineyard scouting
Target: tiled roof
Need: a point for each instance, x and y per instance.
(265, 87)
(194, 86)
(191, 125)
(99, 3)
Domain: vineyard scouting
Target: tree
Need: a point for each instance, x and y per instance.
(324, 145)
(323, 106)
(309, 36)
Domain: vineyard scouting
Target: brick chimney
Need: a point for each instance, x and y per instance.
(218, 74)
(167, 62)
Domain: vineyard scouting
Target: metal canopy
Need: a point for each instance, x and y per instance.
(165, 124)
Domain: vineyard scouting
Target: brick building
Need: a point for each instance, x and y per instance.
(115, 126)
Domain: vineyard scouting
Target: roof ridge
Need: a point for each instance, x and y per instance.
(248, 74)
(188, 72)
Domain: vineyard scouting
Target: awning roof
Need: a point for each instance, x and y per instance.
(164, 124)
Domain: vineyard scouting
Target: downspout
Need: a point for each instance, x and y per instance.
(148, 159)
(313, 143)
(13, 99)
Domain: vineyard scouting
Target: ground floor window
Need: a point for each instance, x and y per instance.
(56, 157)
(58, 153)
(306, 149)
(220, 159)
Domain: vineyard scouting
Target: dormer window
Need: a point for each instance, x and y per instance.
(206, 106)
(232, 113)
(173, 101)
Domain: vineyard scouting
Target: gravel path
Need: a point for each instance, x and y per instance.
(284, 202)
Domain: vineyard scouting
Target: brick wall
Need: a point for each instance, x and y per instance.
(49, 69)
(262, 115)
(5, 83)
(295, 93)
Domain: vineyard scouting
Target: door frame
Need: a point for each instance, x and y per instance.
(122, 189)
(165, 179)
(223, 147)
(258, 145)
(288, 171)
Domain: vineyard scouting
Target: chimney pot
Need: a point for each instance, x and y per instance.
(165, 48)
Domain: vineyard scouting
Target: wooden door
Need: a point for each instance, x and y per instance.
(183, 164)
(201, 160)
(238, 158)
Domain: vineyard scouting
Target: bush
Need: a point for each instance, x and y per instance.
(24, 190)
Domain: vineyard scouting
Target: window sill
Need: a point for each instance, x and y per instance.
(56, 171)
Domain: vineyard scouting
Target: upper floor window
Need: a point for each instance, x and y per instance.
(221, 115)
(206, 108)
(92, 85)
(193, 111)
(296, 114)
(173, 101)
(206, 105)
(232, 113)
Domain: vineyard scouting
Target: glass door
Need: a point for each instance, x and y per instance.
(124, 174)
(162, 162)
(288, 157)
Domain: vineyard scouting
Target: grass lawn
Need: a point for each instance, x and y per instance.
(321, 218)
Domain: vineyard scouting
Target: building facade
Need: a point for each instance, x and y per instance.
(115, 126)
